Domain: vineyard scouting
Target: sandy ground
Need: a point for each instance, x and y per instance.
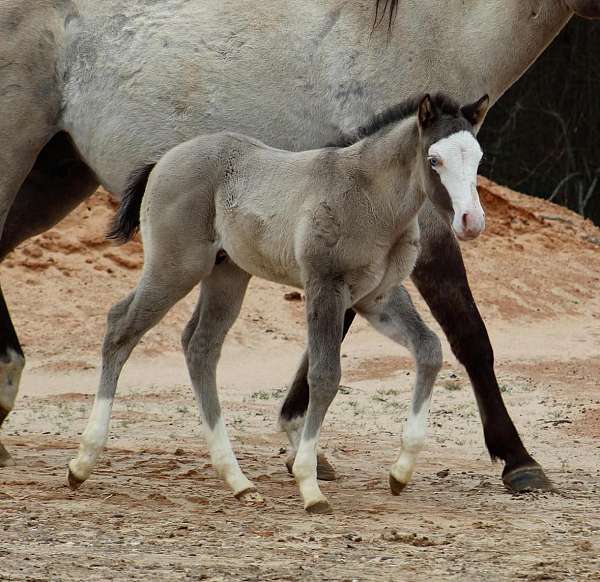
(154, 509)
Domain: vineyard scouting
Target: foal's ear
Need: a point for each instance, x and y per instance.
(426, 115)
(475, 112)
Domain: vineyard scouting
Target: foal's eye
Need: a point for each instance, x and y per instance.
(434, 162)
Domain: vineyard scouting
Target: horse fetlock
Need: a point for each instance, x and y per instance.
(11, 368)
(305, 473)
(235, 479)
(83, 464)
(314, 501)
(402, 470)
(90, 449)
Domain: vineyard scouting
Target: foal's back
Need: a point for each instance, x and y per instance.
(240, 195)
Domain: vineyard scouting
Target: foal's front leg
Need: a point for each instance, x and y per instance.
(326, 301)
(397, 318)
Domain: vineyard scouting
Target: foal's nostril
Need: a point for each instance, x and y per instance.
(465, 221)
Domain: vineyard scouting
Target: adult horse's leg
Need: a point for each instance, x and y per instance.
(442, 281)
(58, 181)
(12, 362)
(219, 305)
(16, 160)
(30, 103)
(291, 416)
(398, 319)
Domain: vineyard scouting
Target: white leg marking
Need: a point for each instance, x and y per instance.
(10, 375)
(413, 439)
(93, 439)
(305, 472)
(223, 458)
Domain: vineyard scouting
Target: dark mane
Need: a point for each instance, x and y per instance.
(443, 103)
(391, 7)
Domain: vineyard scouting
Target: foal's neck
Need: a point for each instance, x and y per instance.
(389, 160)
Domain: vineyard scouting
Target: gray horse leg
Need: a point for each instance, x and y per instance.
(15, 164)
(30, 106)
(326, 302)
(58, 181)
(293, 411)
(159, 289)
(398, 319)
(219, 305)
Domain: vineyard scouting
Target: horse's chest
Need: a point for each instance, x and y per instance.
(388, 268)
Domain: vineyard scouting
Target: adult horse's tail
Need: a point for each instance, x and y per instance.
(127, 220)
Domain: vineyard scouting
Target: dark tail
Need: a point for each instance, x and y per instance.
(127, 220)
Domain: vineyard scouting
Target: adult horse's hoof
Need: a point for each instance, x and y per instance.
(250, 496)
(528, 478)
(5, 459)
(396, 486)
(74, 481)
(325, 471)
(320, 507)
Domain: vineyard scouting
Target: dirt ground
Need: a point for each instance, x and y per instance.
(154, 509)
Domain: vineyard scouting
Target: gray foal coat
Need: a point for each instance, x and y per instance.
(339, 222)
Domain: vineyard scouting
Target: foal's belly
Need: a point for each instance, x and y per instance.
(262, 253)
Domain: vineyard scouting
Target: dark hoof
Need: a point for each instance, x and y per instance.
(325, 471)
(5, 459)
(320, 507)
(395, 486)
(74, 482)
(528, 478)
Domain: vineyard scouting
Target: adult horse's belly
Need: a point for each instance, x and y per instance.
(140, 84)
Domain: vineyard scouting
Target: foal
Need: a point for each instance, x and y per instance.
(341, 223)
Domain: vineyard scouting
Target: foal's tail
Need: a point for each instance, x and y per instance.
(127, 220)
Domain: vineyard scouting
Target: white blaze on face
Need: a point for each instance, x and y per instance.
(458, 157)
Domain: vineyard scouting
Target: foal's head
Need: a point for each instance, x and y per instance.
(450, 158)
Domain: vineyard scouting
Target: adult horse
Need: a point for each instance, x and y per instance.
(90, 90)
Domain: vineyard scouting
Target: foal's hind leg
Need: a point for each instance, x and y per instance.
(398, 319)
(158, 290)
(219, 305)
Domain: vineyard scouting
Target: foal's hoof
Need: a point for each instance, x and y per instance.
(74, 482)
(325, 471)
(396, 486)
(528, 478)
(5, 459)
(320, 507)
(250, 496)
